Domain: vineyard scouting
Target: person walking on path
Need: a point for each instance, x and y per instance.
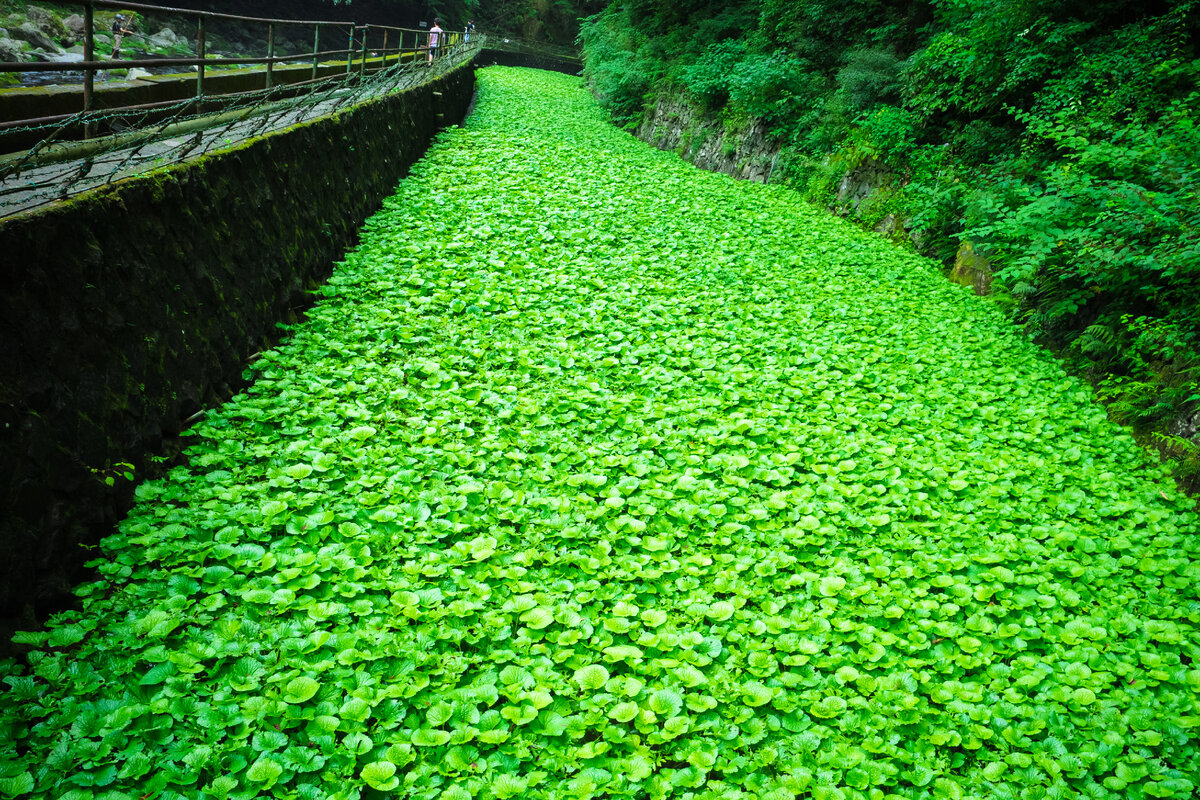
(435, 38)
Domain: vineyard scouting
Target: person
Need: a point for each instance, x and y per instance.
(470, 29)
(435, 38)
(120, 29)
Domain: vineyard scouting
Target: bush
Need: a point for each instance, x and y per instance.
(620, 65)
(869, 79)
(773, 87)
(708, 80)
(890, 132)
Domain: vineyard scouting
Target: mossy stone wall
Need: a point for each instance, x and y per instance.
(127, 309)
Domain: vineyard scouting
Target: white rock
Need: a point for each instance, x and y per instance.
(164, 38)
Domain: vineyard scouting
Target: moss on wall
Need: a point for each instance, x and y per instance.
(129, 308)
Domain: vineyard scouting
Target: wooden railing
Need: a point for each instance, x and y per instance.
(368, 48)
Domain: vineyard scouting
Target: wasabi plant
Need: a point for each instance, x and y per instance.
(593, 475)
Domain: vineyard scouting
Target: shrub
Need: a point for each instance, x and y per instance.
(708, 80)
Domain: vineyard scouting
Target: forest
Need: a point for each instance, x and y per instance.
(1058, 138)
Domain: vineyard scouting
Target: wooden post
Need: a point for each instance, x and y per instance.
(270, 53)
(385, 33)
(350, 52)
(362, 66)
(200, 53)
(89, 54)
(316, 48)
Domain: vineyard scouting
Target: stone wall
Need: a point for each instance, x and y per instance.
(672, 124)
(128, 309)
(749, 154)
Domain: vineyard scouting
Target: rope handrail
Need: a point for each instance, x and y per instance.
(404, 40)
(137, 138)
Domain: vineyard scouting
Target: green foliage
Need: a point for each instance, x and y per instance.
(570, 487)
(890, 133)
(1183, 458)
(771, 87)
(869, 79)
(708, 79)
(620, 65)
(1117, 219)
(1058, 138)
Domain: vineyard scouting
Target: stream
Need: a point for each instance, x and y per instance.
(73, 77)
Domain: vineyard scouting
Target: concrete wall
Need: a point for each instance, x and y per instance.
(127, 309)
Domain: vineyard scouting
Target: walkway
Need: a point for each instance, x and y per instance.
(81, 167)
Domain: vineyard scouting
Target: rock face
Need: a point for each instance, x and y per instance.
(164, 38)
(46, 22)
(674, 125)
(10, 50)
(859, 183)
(972, 269)
(29, 32)
(75, 25)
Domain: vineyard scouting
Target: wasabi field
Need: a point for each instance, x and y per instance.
(593, 475)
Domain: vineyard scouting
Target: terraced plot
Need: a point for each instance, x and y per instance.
(593, 475)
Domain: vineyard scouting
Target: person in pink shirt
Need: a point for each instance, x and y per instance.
(435, 38)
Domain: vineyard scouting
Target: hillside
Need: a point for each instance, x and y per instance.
(1052, 147)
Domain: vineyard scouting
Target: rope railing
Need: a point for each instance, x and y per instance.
(75, 151)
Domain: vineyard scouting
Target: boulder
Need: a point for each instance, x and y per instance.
(28, 32)
(164, 38)
(972, 269)
(135, 73)
(75, 25)
(46, 22)
(67, 57)
(11, 51)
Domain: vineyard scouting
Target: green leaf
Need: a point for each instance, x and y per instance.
(426, 737)
(591, 677)
(439, 714)
(17, 785)
(504, 786)
(828, 707)
(380, 775)
(623, 712)
(265, 771)
(362, 432)
(300, 689)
